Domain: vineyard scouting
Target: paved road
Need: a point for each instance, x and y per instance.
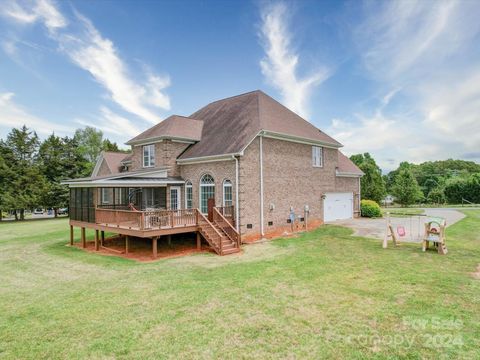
(414, 225)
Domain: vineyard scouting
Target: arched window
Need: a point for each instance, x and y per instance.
(207, 191)
(188, 195)
(227, 193)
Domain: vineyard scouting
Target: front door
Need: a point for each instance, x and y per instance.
(175, 200)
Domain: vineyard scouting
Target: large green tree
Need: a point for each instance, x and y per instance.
(91, 143)
(55, 164)
(405, 187)
(6, 199)
(25, 184)
(372, 184)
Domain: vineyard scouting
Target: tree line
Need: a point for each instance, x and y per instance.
(31, 170)
(433, 182)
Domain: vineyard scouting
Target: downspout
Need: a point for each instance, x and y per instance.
(359, 196)
(237, 210)
(261, 186)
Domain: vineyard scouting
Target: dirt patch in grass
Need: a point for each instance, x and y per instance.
(141, 249)
(476, 274)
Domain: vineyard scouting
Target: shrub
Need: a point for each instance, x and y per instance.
(370, 208)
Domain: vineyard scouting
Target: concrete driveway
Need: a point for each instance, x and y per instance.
(414, 225)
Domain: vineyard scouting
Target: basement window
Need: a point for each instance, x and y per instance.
(249, 226)
(270, 223)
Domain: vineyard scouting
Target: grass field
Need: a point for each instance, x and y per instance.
(324, 294)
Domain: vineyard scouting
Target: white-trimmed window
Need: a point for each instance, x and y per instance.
(207, 191)
(107, 195)
(188, 195)
(317, 156)
(149, 155)
(227, 193)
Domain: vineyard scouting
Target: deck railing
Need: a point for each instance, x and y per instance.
(228, 212)
(146, 220)
(226, 226)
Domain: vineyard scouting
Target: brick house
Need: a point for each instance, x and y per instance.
(237, 170)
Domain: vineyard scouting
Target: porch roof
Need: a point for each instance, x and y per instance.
(129, 182)
(151, 177)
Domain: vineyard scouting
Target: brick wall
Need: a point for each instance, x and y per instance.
(220, 170)
(290, 180)
(166, 153)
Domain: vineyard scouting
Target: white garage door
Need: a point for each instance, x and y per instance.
(337, 206)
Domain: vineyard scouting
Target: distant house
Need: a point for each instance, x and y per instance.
(388, 200)
(244, 167)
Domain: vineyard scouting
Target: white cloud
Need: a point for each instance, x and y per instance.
(111, 123)
(280, 64)
(425, 51)
(33, 11)
(14, 115)
(89, 50)
(10, 47)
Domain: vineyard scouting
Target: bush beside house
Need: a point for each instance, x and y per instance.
(370, 208)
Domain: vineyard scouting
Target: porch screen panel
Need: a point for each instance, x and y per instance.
(91, 207)
(82, 205)
(71, 205)
(161, 197)
(155, 198)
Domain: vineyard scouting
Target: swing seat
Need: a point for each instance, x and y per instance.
(434, 238)
(401, 231)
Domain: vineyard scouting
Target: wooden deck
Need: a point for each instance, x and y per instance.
(219, 232)
(143, 223)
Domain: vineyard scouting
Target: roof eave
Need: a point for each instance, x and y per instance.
(298, 139)
(161, 138)
(125, 183)
(348, 174)
(209, 158)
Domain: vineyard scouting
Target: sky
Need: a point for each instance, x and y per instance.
(398, 79)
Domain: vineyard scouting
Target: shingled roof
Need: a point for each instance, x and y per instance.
(113, 160)
(175, 126)
(346, 166)
(230, 124)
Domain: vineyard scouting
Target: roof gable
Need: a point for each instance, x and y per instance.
(231, 124)
(347, 166)
(111, 159)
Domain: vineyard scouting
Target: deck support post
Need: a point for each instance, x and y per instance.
(84, 241)
(154, 246)
(102, 238)
(71, 235)
(199, 241)
(169, 239)
(97, 240)
(127, 240)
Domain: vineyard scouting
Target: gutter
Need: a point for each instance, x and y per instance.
(348, 174)
(160, 138)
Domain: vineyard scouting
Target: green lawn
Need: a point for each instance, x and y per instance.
(402, 212)
(324, 294)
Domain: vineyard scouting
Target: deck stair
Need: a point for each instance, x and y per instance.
(219, 233)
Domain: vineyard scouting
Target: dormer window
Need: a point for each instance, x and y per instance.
(317, 156)
(149, 155)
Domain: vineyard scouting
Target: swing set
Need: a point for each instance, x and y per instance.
(416, 228)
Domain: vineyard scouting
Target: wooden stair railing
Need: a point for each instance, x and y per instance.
(210, 233)
(226, 227)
